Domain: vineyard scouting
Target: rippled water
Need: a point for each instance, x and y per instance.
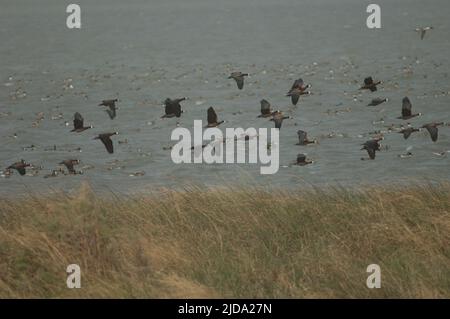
(144, 51)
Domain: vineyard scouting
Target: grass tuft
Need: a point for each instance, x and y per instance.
(240, 243)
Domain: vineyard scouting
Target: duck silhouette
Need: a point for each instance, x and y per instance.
(172, 108)
(266, 109)
(377, 101)
(408, 131)
(303, 138)
(105, 138)
(422, 31)
(302, 160)
(278, 118)
(212, 118)
(370, 84)
(371, 147)
(432, 128)
(239, 78)
(298, 89)
(78, 124)
(19, 167)
(407, 110)
(69, 163)
(111, 104)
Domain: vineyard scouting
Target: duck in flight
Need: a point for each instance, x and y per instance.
(408, 131)
(111, 104)
(377, 101)
(78, 123)
(106, 140)
(298, 89)
(300, 84)
(303, 138)
(371, 147)
(406, 110)
(302, 160)
(20, 167)
(173, 107)
(432, 128)
(278, 118)
(370, 84)
(295, 95)
(70, 163)
(212, 118)
(422, 31)
(266, 109)
(239, 78)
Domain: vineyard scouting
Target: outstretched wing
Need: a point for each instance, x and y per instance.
(177, 109)
(302, 136)
(265, 107)
(69, 166)
(406, 107)
(168, 107)
(239, 81)
(278, 119)
(111, 113)
(212, 116)
(294, 98)
(78, 121)
(422, 33)
(406, 133)
(433, 130)
(106, 140)
(371, 152)
(368, 81)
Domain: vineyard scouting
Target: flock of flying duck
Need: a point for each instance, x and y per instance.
(173, 110)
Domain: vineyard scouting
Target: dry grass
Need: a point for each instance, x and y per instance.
(229, 243)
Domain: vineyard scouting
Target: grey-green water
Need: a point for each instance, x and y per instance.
(144, 51)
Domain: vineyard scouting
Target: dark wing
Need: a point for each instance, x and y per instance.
(301, 158)
(239, 81)
(406, 133)
(78, 121)
(169, 107)
(368, 81)
(406, 107)
(370, 151)
(298, 84)
(111, 113)
(19, 167)
(422, 34)
(278, 121)
(373, 88)
(21, 170)
(69, 166)
(295, 97)
(433, 130)
(265, 107)
(212, 116)
(106, 140)
(177, 109)
(302, 136)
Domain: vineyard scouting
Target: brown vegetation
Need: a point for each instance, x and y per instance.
(229, 243)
